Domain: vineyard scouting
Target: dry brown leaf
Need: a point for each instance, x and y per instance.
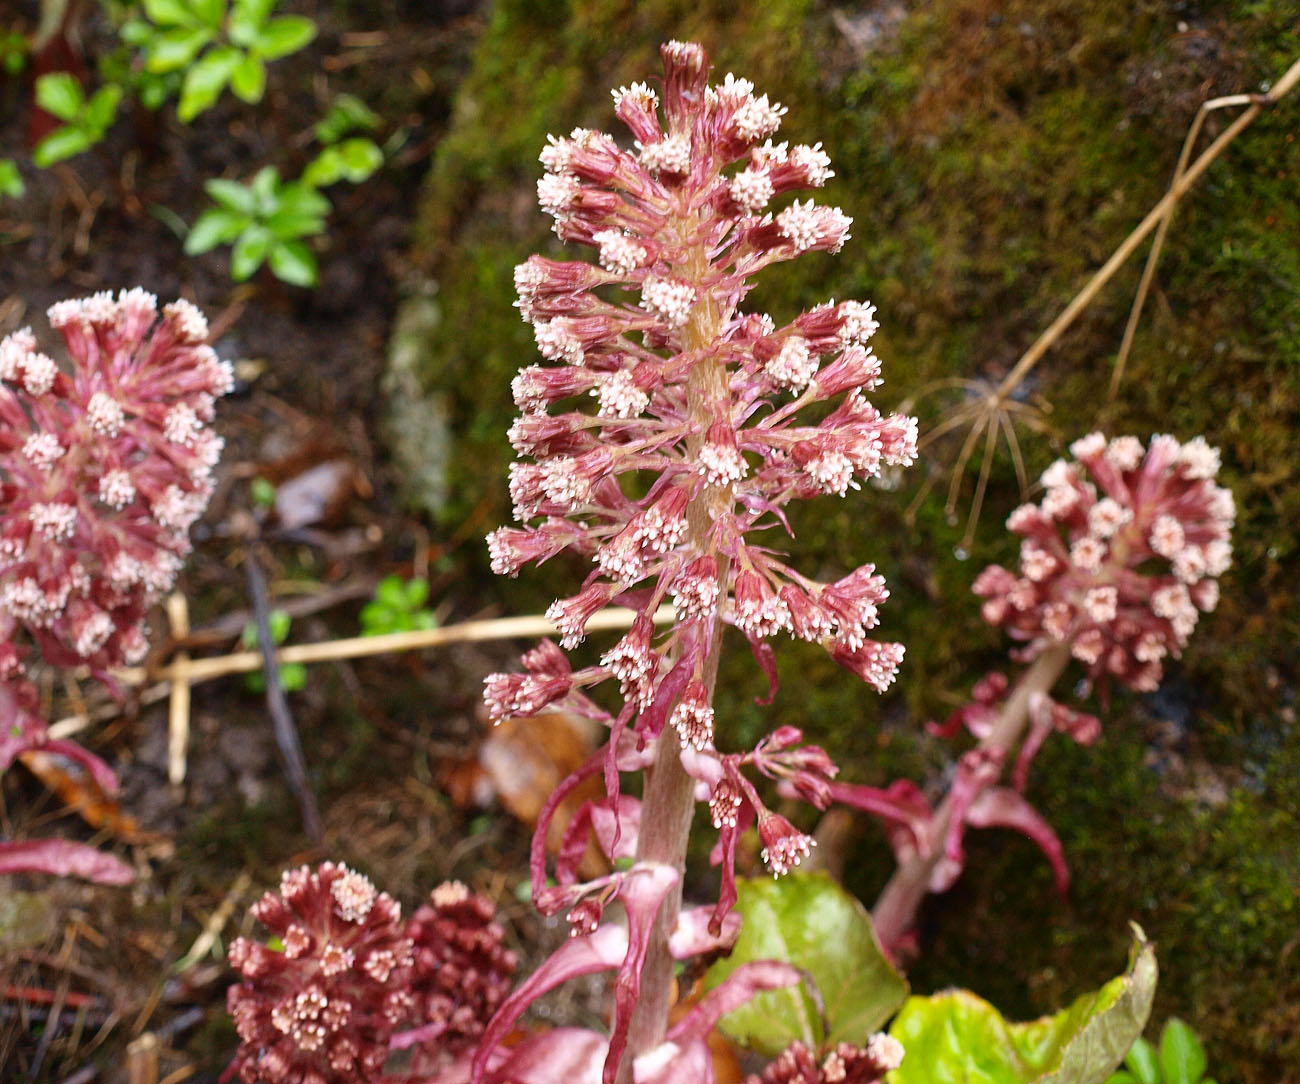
(84, 796)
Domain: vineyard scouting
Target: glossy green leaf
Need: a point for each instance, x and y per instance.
(11, 181)
(808, 920)
(60, 94)
(293, 262)
(284, 35)
(1182, 1057)
(249, 252)
(169, 12)
(959, 1038)
(209, 12)
(65, 142)
(205, 80)
(248, 80)
(101, 110)
(232, 195)
(173, 49)
(217, 226)
(1143, 1063)
(360, 159)
(251, 12)
(301, 199)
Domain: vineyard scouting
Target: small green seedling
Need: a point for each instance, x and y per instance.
(262, 493)
(264, 222)
(11, 181)
(85, 120)
(293, 675)
(217, 44)
(353, 159)
(398, 606)
(1180, 1059)
(13, 52)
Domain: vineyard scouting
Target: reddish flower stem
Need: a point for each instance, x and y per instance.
(895, 910)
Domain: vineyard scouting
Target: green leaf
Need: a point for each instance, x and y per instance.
(278, 621)
(102, 109)
(11, 181)
(232, 195)
(62, 143)
(264, 187)
(376, 619)
(169, 12)
(345, 114)
(293, 262)
(209, 12)
(417, 592)
(391, 592)
(1122, 1077)
(205, 80)
(173, 49)
(251, 13)
(249, 252)
(262, 492)
(958, 1037)
(303, 199)
(284, 35)
(808, 920)
(59, 93)
(288, 225)
(217, 226)
(293, 677)
(360, 159)
(1182, 1057)
(137, 33)
(1143, 1063)
(248, 80)
(324, 170)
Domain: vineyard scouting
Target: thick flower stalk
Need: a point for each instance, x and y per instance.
(1119, 559)
(105, 463)
(695, 439)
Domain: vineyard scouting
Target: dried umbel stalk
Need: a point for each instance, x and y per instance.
(105, 466)
(696, 438)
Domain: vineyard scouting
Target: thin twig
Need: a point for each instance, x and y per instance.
(1157, 245)
(286, 734)
(178, 712)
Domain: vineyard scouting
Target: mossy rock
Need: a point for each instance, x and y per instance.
(992, 155)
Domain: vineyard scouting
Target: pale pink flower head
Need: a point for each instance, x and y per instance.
(1120, 557)
(106, 463)
(843, 1064)
(320, 1002)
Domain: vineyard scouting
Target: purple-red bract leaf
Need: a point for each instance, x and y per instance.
(558, 1056)
(669, 1063)
(63, 858)
(1002, 807)
(691, 936)
(901, 806)
(734, 991)
(766, 658)
(600, 951)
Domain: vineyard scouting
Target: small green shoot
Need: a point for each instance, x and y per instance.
(85, 120)
(293, 675)
(11, 181)
(398, 606)
(264, 221)
(1180, 1059)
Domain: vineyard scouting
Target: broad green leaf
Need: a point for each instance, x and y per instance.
(249, 252)
(137, 32)
(391, 592)
(65, 142)
(60, 93)
(101, 111)
(360, 159)
(959, 1038)
(169, 12)
(279, 621)
(205, 80)
(303, 199)
(173, 49)
(284, 35)
(218, 226)
(345, 114)
(293, 262)
(232, 195)
(808, 920)
(288, 225)
(11, 181)
(293, 677)
(251, 13)
(248, 80)
(417, 592)
(1182, 1057)
(264, 186)
(325, 169)
(1143, 1062)
(1121, 1077)
(209, 12)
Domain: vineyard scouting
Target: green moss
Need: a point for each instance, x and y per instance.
(992, 155)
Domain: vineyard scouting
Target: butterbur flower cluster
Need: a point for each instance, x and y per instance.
(324, 1006)
(1119, 558)
(845, 1064)
(668, 428)
(106, 465)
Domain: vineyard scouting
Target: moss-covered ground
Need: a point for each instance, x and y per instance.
(992, 153)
